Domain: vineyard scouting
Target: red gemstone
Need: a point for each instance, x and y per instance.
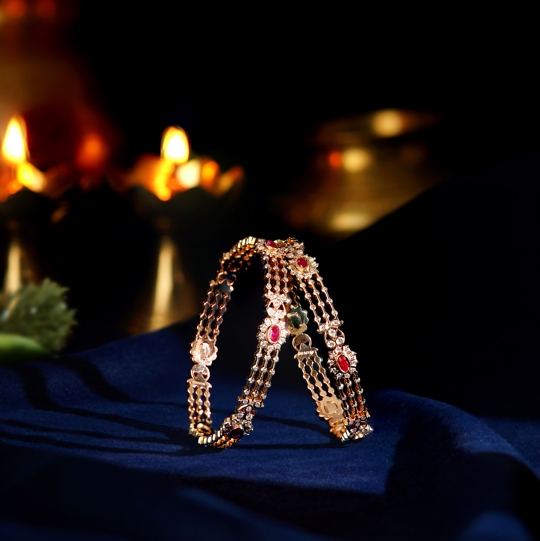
(236, 433)
(302, 262)
(271, 243)
(273, 333)
(343, 363)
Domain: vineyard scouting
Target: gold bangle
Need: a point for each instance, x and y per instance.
(286, 268)
(342, 404)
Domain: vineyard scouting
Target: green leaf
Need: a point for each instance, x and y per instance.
(14, 347)
(39, 312)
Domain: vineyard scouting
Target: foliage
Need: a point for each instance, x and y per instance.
(38, 313)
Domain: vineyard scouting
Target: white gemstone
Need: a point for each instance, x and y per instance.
(340, 341)
(204, 352)
(331, 344)
(200, 369)
(332, 333)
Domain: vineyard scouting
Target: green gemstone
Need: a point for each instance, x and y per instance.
(295, 320)
(298, 318)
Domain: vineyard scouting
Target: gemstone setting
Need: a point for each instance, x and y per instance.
(236, 433)
(343, 363)
(273, 334)
(203, 351)
(302, 262)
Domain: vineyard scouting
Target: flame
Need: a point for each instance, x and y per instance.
(31, 177)
(189, 174)
(14, 144)
(162, 178)
(356, 159)
(335, 159)
(209, 174)
(92, 153)
(15, 9)
(388, 123)
(175, 145)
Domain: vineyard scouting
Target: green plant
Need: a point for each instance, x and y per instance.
(34, 321)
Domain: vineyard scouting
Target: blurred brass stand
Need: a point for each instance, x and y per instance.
(19, 269)
(171, 298)
(361, 169)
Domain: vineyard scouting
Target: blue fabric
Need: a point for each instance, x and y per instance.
(94, 446)
(98, 444)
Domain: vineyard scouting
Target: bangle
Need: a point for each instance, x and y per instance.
(286, 269)
(342, 404)
(271, 335)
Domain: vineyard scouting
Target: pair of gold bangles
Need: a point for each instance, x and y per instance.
(287, 272)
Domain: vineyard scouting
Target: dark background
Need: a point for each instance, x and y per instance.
(250, 85)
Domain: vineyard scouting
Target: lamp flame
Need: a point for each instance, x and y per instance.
(163, 172)
(189, 175)
(14, 144)
(175, 145)
(92, 153)
(388, 123)
(31, 177)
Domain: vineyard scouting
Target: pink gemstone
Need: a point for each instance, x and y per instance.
(273, 334)
(343, 363)
(271, 243)
(302, 262)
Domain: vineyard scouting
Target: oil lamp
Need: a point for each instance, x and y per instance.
(173, 172)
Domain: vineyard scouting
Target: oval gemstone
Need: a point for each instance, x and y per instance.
(343, 363)
(271, 243)
(273, 334)
(236, 433)
(302, 262)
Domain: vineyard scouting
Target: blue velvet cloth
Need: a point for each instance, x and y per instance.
(94, 446)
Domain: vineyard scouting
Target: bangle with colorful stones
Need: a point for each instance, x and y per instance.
(287, 273)
(342, 403)
(272, 333)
